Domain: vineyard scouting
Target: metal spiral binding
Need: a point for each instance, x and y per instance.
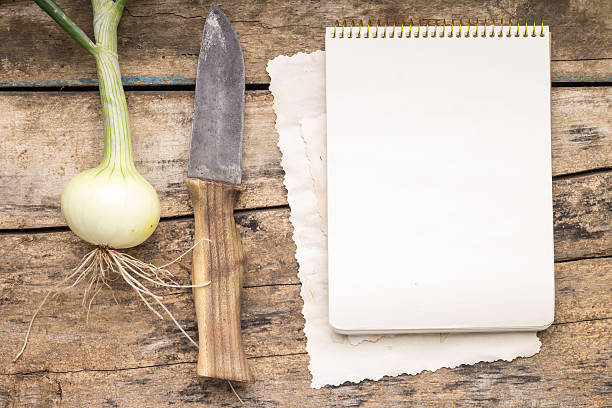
(346, 31)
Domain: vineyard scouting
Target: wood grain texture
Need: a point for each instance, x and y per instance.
(127, 334)
(44, 147)
(220, 261)
(159, 41)
(572, 369)
(127, 357)
(583, 216)
(574, 142)
(583, 288)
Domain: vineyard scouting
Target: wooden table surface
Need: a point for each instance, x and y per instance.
(50, 129)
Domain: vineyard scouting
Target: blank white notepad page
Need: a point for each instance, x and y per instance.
(439, 182)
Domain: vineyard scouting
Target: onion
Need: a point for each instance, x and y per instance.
(111, 206)
(107, 208)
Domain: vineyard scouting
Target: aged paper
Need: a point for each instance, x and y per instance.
(313, 133)
(298, 86)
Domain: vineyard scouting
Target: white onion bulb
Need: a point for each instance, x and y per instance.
(109, 209)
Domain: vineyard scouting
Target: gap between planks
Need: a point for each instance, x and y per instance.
(48, 230)
(556, 83)
(577, 174)
(126, 88)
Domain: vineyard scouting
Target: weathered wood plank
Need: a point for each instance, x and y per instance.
(159, 41)
(572, 282)
(577, 71)
(581, 129)
(266, 235)
(572, 369)
(582, 216)
(48, 138)
(272, 321)
(128, 335)
(44, 146)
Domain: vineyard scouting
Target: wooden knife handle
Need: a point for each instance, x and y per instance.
(220, 261)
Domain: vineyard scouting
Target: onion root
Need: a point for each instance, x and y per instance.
(103, 265)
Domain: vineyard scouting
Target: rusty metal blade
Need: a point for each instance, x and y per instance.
(215, 152)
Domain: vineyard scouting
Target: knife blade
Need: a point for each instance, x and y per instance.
(214, 175)
(218, 117)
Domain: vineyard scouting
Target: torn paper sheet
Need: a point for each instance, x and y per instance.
(314, 133)
(298, 86)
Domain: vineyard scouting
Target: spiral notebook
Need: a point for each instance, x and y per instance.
(439, 178)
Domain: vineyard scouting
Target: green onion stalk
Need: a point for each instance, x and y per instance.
(110, 206)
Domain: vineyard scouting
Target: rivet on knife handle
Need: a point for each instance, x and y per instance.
(220, 261)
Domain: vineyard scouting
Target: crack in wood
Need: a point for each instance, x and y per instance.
(162, 13)
(256, 22)
(595, 319)
(584, 173)
(585, 258)
(106, 370)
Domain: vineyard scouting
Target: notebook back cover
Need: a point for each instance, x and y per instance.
(439, 183)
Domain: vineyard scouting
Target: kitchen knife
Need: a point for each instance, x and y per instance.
(214, 176)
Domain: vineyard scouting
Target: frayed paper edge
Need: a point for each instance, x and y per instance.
(303, 293)
(357, 380)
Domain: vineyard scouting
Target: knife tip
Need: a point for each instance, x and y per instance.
(215, 11)
(214, 8)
